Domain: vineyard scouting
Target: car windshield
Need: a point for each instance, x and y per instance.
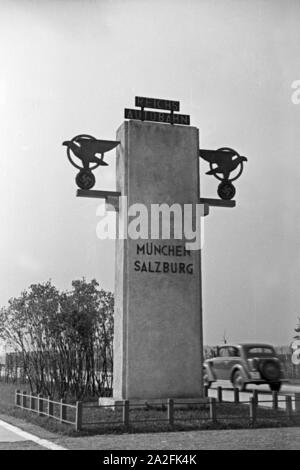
(260, 350)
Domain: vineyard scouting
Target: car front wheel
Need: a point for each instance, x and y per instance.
(238, 381)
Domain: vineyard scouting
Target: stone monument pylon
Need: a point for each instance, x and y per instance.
(158, 343)
(158, 322)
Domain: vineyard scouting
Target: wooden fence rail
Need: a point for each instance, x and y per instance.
(46, 407)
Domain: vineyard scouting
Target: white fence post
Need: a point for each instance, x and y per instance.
(297, 402)
(63, 414)
(24, 399)
(78, 418)
(17, 398)
(40, 404)
(171, 411)
(253, 410)
(125, 412)
(212, 409)
(289, 406)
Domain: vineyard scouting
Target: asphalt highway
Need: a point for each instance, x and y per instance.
(264, 393)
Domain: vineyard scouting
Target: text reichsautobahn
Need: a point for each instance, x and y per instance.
(183, 119)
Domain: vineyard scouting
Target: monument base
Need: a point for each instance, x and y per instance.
(153, 402)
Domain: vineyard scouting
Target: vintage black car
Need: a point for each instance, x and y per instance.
(243, 364)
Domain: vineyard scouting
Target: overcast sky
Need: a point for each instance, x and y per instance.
(71, 67)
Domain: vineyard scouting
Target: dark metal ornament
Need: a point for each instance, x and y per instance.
(85, 179)
(86, 148)
(226, 190)
(83, 137)
(223, 162)
(229, 151)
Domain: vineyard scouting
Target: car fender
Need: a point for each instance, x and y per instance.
(240, 368)
(208, 369)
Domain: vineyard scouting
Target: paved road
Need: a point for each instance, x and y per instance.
(7, 435)
(10, 440)
(286, 388)
(15, 438)
(265, 399)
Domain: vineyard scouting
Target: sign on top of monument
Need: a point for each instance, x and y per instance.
(157, 103)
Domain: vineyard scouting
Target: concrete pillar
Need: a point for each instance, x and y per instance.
(158, 320)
